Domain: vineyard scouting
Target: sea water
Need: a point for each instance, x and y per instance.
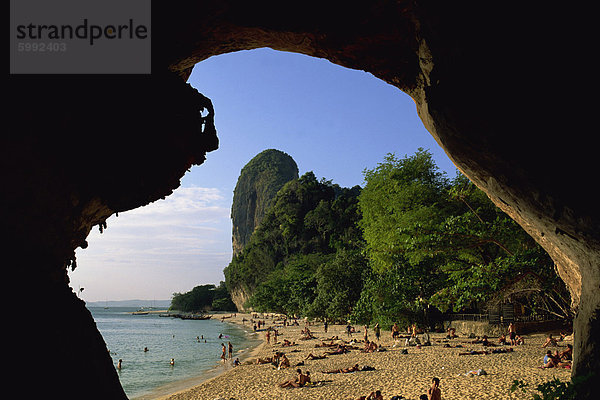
(142, 372)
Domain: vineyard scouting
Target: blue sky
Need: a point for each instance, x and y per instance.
(332, 120)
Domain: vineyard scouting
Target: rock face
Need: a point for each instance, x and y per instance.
(80, 148)
(259, 182)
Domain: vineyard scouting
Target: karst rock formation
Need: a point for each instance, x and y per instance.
(487, 82)
(258, 183)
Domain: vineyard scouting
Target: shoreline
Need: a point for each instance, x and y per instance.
(394, 373)
(165, 391)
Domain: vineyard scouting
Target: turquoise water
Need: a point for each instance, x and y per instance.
(143, 373)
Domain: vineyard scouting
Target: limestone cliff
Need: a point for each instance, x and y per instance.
(256, 187)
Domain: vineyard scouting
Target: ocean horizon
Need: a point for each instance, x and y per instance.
(194, 346)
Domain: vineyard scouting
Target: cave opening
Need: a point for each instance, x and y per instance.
(332, 120)
(480, 82)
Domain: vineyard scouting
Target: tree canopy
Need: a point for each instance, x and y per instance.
(411, 244)
(203, 298)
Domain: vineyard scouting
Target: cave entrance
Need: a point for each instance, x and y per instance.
(332, 120)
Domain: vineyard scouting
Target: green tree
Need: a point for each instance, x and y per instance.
(339, 285)
(309, 222)
(441, 242)
(203, 298)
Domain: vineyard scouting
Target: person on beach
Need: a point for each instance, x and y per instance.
(339, 350)
(366, 336)
(119, 364)
(354, 368)
(550, 341)
(311, 356)
(550, 361)
(512, 334)
(284, 362)
(486, 343)
(325, 326)
(434, 392)
(395, 331)
(451, 333)
(172, 362)
(377, 330)
(223, 352)
(502, 339)
(473, 352)
(268, 336)
(300, 381)
(376, 395)
(230, 350)
(566, 355)
(519, 340)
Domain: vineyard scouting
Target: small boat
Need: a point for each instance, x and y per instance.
(140, 312)
(191, 316)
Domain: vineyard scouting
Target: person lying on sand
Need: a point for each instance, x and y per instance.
(311, 356)
(323, 344)
(498, 351)
(550, 341)
(338, 350)
(287, 343)
(354, 368)
(476, 341)
(376, 395)
(266, 360)
(446, 345)
(473, 352)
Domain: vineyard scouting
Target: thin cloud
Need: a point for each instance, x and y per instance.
(187, 234)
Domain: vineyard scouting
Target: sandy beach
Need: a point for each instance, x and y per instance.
(395, 373)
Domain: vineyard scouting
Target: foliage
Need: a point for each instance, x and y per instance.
(408, 245)
(301, 243)
(438, 242)
(203, 298)
(555, 389)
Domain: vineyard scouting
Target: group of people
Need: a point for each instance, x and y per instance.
(224, 351)
(301, 380)
(558, 359)
(433, 393)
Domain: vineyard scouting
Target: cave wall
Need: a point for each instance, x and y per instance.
(485, 82)
(78, 149)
